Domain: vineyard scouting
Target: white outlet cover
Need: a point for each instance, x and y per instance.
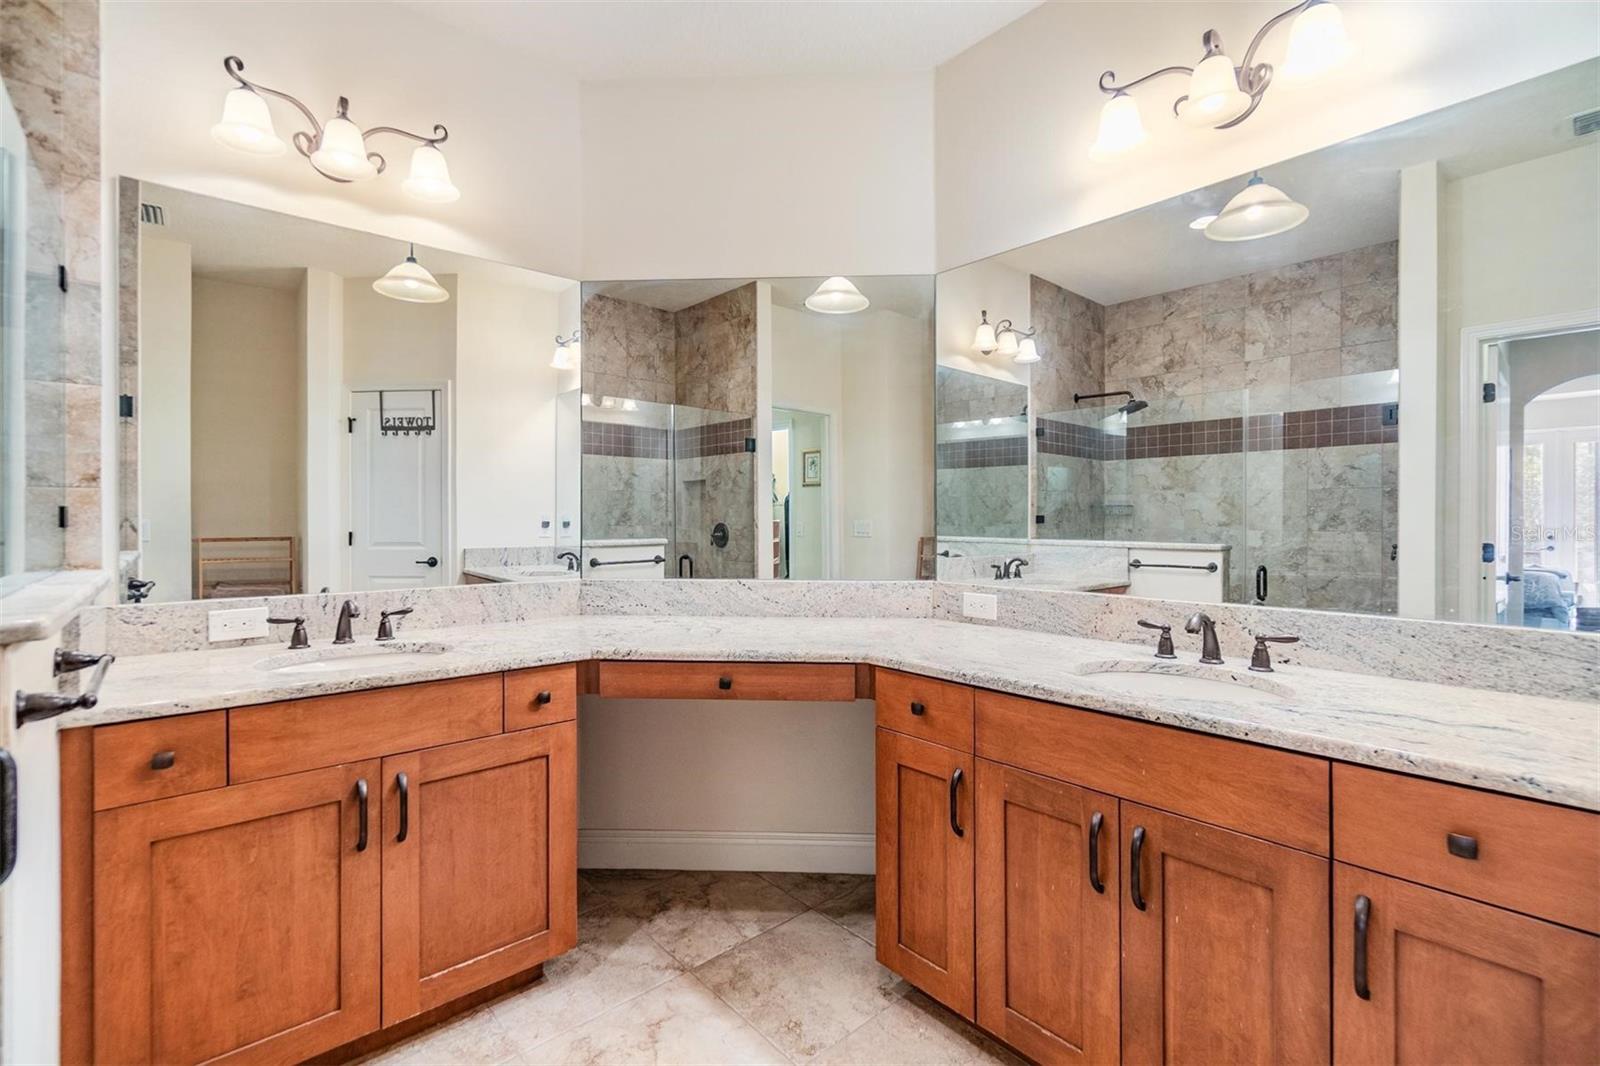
(246, 623)
(862, 527)
(980, 605)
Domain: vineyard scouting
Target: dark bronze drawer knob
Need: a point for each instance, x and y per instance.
(163, 760)
(917, 708)
(1461, 845)
(541, 699)
(724, 683)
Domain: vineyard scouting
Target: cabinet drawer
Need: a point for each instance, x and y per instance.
(1276, 795)
(541, 696)
(922, 707)
(1521, 854)
(728, 681)
(159, 758)
(282, 738)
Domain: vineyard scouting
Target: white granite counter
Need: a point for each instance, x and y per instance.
(521, 573)
(35, 606)
(1538, 747)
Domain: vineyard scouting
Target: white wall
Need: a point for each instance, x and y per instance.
(391, 342)
(962, 295)
(165, 324)
(758, 177)
(1016, 113)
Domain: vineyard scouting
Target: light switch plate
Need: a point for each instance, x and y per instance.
(980, 605)
(861, 527)
(242, 624)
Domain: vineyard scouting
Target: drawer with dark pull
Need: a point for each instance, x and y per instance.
(938, 711)
(158, 758)
(541, 695)
(728, 681)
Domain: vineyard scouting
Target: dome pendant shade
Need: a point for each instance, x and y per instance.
(246, 124)
(1214, 94)
(1258, 210)
(342, 152)
(837, 296)
(1121, 129)
(429, 180)
(410, 281)
(1317, 42)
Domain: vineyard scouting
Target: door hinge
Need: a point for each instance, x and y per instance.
(350, 538)
(1488, 392)
(125, 406)
(61, 516)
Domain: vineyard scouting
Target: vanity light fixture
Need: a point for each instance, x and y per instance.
(337, 150)
(410, 281)
(567, 353)
(1222, 95)
(837, 296)
(1257, 210)
(1004, 338)
(985, 340)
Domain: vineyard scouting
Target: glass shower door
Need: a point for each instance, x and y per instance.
(713, 495)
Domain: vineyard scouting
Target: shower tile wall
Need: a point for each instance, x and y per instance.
(714, 481)
(1070, 482)
(716, 353)
(981, 470)
(626, 495)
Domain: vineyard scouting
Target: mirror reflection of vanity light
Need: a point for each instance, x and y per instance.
(1255, 211)
(568, 352)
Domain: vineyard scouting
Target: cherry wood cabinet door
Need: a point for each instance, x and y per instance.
(1048, 895)
(925, 849)
(1420, 975)
(240, 923)
(1224, 945)
(480, 864)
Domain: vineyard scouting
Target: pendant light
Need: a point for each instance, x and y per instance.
(567, 353)
(1317, 42)
(429, 180)
(1258, 210)
(247, 124)
(984, 340)
(410, 282)
(1121, 128)
(837, 296)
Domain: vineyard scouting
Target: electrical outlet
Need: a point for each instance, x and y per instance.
(242, 624)
(861, 527)
(980, 605)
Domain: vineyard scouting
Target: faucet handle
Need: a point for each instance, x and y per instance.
(1164, 642)
(385, 628)
(1261, 659)
(298, 638)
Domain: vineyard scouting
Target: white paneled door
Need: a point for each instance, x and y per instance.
(397, 526)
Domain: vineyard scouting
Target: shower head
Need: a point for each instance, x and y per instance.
(1133, 406)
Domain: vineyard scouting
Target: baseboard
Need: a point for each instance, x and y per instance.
(666, 849)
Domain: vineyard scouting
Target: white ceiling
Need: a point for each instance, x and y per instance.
(908, 294)
(1351, 188)
(614, 40)
(257, 247)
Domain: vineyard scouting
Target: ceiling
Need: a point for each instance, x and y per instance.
(1352, 189)
(615, 40)
(257, 247)
(908, 294)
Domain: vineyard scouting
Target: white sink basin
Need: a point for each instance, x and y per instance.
(1184, 681)
(352, 657)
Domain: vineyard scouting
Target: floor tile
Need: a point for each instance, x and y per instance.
(681, 1021)
(805, 985)
(856, 910)
(637, 892)
(916, 1031)
(614, 961)
(816, 889)
(705, 914)
(478, 1037)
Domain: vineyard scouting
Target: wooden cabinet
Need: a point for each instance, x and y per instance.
(924, 860)
(1424, 976)
(1224, 945)
(1048, 891)
(240, 922)
(480, 876)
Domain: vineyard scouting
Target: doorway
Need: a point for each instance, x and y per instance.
(801, 505)
(397, 535)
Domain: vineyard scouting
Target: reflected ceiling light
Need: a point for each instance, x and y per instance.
(1222, 94)
(608, 402)
(411, 282)
(984, 340)
(1257, 210)
(337, 150)
(1202, 222)
(837, 296)
(630, 405)
(567, 353)
(584, 400)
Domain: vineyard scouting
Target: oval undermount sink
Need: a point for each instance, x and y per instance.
(352, 657)
(1183, 681)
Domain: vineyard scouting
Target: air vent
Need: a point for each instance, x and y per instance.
(1588, 122)
(152, 214)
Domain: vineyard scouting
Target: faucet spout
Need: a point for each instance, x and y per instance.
(341, 632)
(1201, 623)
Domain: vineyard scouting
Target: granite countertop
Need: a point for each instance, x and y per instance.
(521, 572)
(1527, 746)
(36, 605)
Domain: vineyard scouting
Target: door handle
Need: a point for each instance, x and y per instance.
(1096, 823)
(432, 560)
(8, 815)
(1135, 877)
(955, 805)
(1359, 969)
(361, 815)
(403, 783)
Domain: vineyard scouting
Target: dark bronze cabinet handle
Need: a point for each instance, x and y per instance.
(1363, 915)
(955, 805)
(361, 813)
(1461, 845)
(917, 708)
(403, 783)
(163, 760)
(1096, 824)
(541, 699)
(724, 683)
(1135, 875)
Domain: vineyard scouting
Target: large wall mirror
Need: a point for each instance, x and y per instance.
(305, 408)
(732, 430)
(1387, 405)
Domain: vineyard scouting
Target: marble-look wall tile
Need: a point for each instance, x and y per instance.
(715, 343)
(628, 350)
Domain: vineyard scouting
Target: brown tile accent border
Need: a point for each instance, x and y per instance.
(1323, 427)
(981, 452)
(718, 438)
(621, 439)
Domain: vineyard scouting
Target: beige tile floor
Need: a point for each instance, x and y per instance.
(701, 968)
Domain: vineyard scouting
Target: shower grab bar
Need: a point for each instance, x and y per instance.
(1209, 568)
(627, 562)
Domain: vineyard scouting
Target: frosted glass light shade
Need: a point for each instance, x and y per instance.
(1317, 42)
(984, 340)
(837, 296)
(1121, 128)
(411, 282)
(1258, 210)
(566, 356)
(1007, 342)
(429, 180)
(246, 124)
(1027, 352)
(342, 152)
(1214, 94)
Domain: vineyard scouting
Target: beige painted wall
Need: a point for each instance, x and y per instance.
(393, 342)
(165, 324)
